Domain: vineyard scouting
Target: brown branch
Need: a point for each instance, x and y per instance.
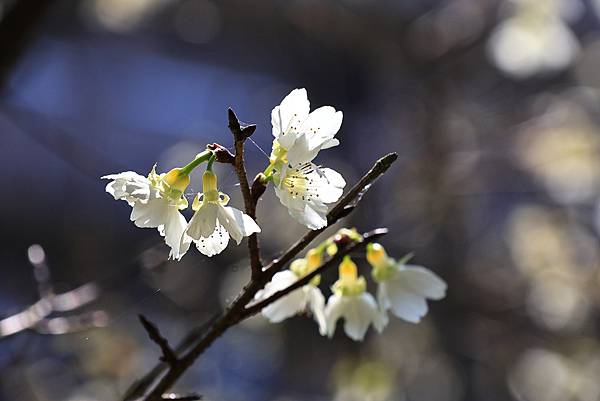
(168, 355)
(240, 133)
(336, 259)
(237, 310)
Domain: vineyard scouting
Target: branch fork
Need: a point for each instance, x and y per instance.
(176, 362)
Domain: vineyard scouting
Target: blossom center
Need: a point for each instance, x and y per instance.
(349, 283)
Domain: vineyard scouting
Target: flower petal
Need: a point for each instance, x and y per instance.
(423, 281)
(360, 313)
(236, 222)
(174, 228)
(203, 222)
(403, 303)
(214, 243)
(289, 115)
(316, 303)
(153, 213)
(287, 306)
(333, 311)
(128, 186)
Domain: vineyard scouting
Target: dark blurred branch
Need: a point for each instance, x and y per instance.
(175, 397)
(17, 29)
(35, 317)
(168, 355)
(237, 311)
(240, 134)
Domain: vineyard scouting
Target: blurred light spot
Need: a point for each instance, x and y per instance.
(534, 40)
(557, 303)
(121, 15)
(369, 380)
(540, 375)
(562, 150)
(36, 254)
(197, 21)
(541, 242)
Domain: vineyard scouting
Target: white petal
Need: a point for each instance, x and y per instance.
(128, 186)
(333, 311)
(423, 281)
(330, 144)
(316, 132)
(403, 303)
(237, 223)
(321, 126)
(174, 228)
(214, 243)
(204, 221)
(289, 115)
(360, 313)
(287, 306)
(316, 303)
(311, 218)
(300, 151)
(153, 213)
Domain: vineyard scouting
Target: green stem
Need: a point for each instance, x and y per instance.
(269, 170)
(212, 159)
(200, 158)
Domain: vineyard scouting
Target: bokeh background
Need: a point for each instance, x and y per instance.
(492, 106)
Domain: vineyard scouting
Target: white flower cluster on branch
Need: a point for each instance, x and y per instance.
(284, 287)
(402, 288)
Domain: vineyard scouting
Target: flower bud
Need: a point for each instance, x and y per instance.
(376, 255)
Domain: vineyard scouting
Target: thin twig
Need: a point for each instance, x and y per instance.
(168, 355)
(336, 259)
(240, 133)
(176, 397)
(37, 316)
(237, 310)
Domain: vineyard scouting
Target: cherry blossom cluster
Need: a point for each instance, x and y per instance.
(401, 288)
(306, 190)
(303, 187)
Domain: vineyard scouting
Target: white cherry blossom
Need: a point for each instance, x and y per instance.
(403, 288)
(155, 201)
(306, 298)
(300, 135)
(351, 302)
(306, 189)
(213, 223)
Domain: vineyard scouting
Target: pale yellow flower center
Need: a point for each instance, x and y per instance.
(349, 283)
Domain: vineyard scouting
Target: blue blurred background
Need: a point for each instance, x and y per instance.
(492, 106)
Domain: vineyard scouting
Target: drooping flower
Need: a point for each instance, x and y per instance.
(306, 189)
(306, 298)
(403, 288)
(351, 301)
(155, 201)
(213, 222)
(300, 135)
